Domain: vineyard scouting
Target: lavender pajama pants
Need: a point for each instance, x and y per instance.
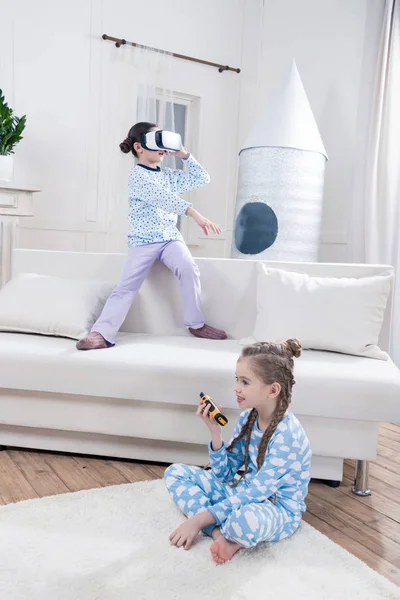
(176, 256)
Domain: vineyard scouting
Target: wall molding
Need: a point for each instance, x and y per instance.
(7, 42)
(334, 237)
(94, 112)
(73, 226)
(327, 237)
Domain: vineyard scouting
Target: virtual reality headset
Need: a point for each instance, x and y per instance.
(161, 140)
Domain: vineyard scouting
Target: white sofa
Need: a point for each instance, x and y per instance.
(137, 400)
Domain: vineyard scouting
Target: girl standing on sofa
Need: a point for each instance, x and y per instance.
(266, 501)
(154, 204)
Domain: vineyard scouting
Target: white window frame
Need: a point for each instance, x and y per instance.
(191, 120)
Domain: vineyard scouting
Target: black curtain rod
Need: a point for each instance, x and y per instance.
(221, 68)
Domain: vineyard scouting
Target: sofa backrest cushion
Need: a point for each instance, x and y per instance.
(228, 288)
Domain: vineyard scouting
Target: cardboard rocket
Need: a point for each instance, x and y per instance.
(281, 179)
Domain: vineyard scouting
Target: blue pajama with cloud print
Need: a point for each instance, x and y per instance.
(267, 505)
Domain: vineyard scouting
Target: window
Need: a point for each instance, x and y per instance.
(176, 119)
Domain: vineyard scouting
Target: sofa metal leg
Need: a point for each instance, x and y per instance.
(360, 487)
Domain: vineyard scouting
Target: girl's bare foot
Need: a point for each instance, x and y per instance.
(222, 550)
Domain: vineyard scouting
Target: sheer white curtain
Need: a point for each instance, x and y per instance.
(140, 80)
(152, 70)
(376, 225)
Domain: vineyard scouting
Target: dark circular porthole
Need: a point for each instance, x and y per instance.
(256, 228)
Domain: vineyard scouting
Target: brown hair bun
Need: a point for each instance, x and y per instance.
(127, 145)
(293, 347)
(135, 136)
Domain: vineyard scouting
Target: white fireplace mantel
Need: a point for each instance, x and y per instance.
(16, 201)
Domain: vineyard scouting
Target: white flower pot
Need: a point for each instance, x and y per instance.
(6, 167)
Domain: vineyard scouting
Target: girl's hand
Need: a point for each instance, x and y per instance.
(204, 223)
(186, 534)
(203, 412)
(182, 153)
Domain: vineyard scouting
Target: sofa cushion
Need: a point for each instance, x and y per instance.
(177, 369)
(32, 303)
(343, 314)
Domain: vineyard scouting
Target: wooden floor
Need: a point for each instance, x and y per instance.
(367, 527)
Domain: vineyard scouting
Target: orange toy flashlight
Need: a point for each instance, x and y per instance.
(214, 410)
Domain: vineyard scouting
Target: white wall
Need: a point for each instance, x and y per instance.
(55, 67)
(335, 44)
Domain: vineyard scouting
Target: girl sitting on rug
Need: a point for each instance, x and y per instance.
(154, 204)
(266, 501)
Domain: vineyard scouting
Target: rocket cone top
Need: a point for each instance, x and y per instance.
(287, 120)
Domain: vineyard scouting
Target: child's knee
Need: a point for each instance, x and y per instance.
(187, 268)
(168, 471)
(177, 472)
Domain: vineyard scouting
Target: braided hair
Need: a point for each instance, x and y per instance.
(271, 363)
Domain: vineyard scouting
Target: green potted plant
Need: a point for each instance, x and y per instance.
(11, 128)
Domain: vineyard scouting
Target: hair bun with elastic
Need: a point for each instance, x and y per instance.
(293, 347)
(127, 145)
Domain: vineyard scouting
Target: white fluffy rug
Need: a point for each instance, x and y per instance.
(112, 544)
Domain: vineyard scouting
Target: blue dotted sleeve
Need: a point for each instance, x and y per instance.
(184, 181)
(142, 186)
